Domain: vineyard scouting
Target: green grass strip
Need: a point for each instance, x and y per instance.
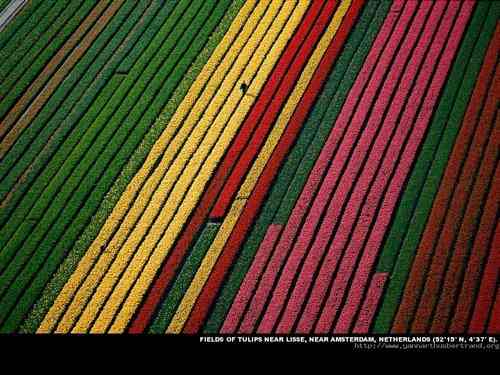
(416, 202)
(293, 174)
(60, 201)
(119, 184)
(184, 278)
(25, 71)
(72, 103)
(13, 65)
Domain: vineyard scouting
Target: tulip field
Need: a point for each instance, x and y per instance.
(250, 166)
